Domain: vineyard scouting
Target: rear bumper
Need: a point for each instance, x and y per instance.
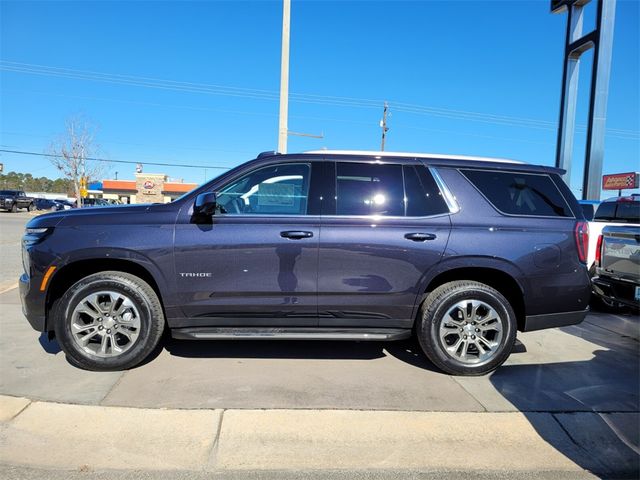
(615, 290)
(552, 320)
(32, 303)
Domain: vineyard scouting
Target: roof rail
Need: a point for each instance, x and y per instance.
(269, 153)
(380, 154)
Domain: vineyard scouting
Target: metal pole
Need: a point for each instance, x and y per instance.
(569, 97)
(592, 181)
(284, 78)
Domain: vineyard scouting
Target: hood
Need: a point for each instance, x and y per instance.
(99, 215)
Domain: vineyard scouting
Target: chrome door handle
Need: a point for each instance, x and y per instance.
(296, 234)
(420, 237)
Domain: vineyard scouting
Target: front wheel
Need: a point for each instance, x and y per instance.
(467, 328)
(108, 321)
(31, 207)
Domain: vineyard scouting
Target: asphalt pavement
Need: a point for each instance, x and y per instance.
(11, 230)
(576, 389)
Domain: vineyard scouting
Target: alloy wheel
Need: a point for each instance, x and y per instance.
(105, 323)
(471, 331)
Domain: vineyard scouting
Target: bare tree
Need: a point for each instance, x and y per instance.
(71, 151)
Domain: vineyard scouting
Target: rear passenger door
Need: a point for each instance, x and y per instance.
(385, 225)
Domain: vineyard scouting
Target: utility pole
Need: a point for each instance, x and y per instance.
(383, 125)
(284, 78)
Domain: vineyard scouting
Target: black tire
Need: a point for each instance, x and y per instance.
(435, 307)
(14, 208)
(31, 207)
(140, 293)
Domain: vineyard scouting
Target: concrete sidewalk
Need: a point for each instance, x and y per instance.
(45, 435)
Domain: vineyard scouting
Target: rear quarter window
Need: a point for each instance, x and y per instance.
(518, 193)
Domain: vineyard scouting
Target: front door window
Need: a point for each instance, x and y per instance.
(275, 190)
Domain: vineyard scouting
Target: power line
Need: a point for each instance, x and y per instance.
(109, 160)
(191, 87)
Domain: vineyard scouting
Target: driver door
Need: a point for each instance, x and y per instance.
(256, 262)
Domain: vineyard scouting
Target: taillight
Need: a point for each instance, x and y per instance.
(582, 240)
(599, 251)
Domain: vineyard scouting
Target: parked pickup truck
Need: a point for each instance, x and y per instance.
(617, 280)
(12, 200)
(616, 211)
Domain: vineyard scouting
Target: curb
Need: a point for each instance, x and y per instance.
(50, 435)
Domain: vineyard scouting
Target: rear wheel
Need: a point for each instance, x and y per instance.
(14, 208)
(108, 321)
(467, 328)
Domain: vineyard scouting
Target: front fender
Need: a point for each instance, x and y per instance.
(122, 254)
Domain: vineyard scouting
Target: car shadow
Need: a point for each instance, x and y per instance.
(284, 349)
(407, 351)
(594, 403)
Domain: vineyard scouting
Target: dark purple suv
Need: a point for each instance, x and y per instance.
(459, 251)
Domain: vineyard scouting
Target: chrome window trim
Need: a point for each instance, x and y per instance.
(449, 198)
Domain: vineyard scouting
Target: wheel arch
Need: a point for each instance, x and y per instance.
(70, 273)
(502, 281)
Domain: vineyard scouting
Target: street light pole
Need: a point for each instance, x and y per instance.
(284, 78)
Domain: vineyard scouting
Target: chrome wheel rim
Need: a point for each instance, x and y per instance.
(105, 324)
(471, 332)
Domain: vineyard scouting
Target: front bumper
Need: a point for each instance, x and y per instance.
(615, 290)
(32, 303)
(553, 320)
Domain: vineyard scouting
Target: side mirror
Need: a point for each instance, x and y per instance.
(205, 204)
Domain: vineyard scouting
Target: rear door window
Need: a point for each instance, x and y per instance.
(422, 196)
(369, 189)
(387, 190)
(517, 193)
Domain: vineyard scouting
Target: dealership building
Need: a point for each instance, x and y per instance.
(146, 188)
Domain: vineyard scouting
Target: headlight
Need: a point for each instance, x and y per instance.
(25, 261)
(35, 235)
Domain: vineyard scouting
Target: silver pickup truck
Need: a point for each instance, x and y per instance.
(617, 280)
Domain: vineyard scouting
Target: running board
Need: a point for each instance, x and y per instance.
(257, 333)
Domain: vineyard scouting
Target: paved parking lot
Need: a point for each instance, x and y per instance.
(11, 229)
(593, 367)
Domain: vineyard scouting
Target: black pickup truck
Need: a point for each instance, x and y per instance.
(12, 200)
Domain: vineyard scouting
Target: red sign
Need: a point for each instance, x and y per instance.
(149, 184)
(620, 181)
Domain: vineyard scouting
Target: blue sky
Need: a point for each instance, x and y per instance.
(477, 67)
